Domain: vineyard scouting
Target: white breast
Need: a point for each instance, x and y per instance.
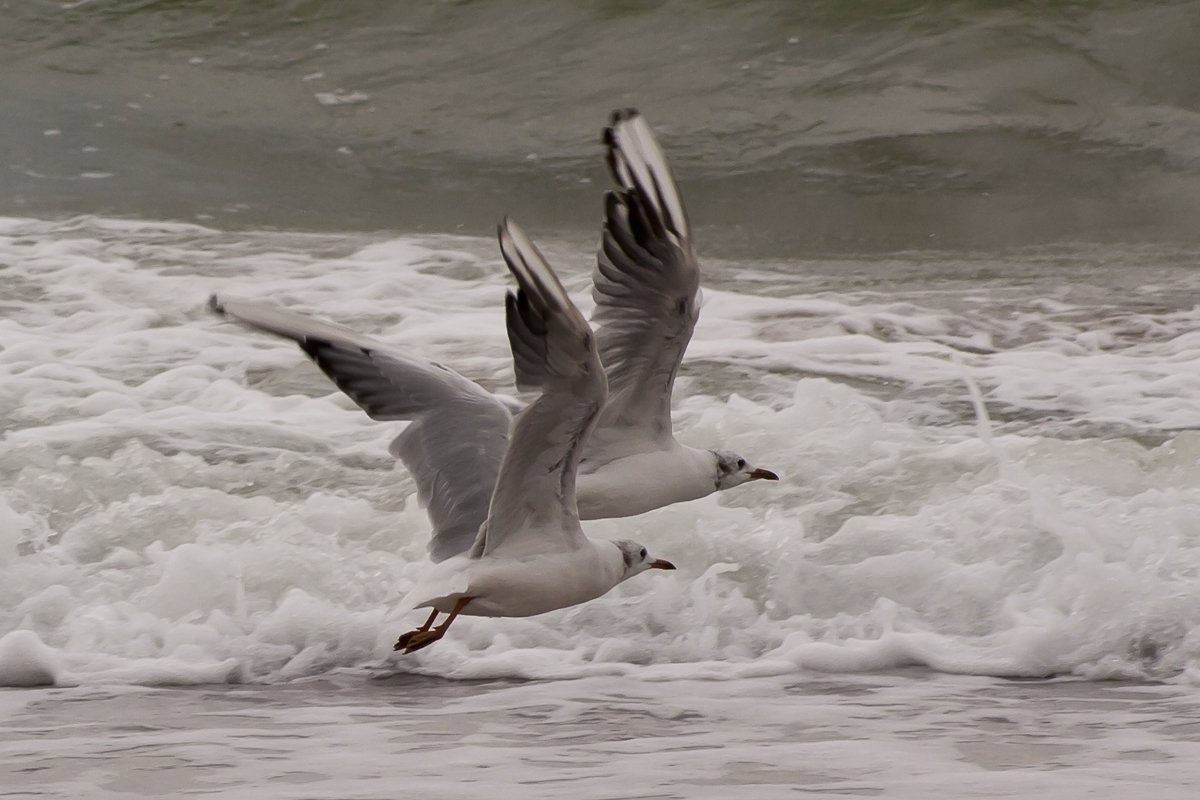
(641, 482)
(522, 587)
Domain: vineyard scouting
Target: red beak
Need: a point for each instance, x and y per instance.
(660, 563)
(763, 475)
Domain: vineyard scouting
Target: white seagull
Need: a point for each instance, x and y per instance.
(531, 555)
(647, 293)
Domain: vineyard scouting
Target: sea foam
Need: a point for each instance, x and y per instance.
(186, 501)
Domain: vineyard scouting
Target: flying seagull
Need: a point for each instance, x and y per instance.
(647, 292)
(531, 555)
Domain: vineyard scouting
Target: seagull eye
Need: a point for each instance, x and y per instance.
(741, 462)
(643, 554)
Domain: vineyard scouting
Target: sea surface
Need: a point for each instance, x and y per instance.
(950, 262)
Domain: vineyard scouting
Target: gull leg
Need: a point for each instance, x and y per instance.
(426, 637)
(407, 637)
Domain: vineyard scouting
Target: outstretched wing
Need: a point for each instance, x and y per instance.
(533, 510)
(458, 431)
(646, 287)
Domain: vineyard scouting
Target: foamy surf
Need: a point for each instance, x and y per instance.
(184, 502)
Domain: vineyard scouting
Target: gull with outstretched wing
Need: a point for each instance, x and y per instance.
(531, 555)
(647, 291)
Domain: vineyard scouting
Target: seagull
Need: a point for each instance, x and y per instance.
(646, 285)
(531, 555)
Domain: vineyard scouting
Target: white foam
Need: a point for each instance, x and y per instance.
(341, 98)
(26, 661)
(184, 501)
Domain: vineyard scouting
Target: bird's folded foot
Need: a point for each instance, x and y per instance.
(415, 640)
(405, 638)
(427, 634)
(403, 641)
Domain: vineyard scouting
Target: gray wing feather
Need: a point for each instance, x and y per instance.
(455, 474)
(533, 509)
(646, 285)
(457, 432)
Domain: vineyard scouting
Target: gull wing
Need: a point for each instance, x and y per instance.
(533, 509)
(646, 288)
(457, 432)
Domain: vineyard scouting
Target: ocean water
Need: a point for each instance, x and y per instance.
(951, 297)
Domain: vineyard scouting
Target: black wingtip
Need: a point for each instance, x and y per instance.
(616, 118)
(623, 114)
(506, 238)
(313, 348)
(618, 170)
(612, 201)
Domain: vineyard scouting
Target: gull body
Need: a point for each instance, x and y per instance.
(638, 482)
(520, 587)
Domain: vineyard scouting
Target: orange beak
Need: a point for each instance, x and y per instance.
(763, 475)
(660, 563)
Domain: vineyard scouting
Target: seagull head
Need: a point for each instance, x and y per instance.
(637, 560)
(732, 470)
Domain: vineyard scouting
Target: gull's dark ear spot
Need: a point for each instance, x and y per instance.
(627, 556)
